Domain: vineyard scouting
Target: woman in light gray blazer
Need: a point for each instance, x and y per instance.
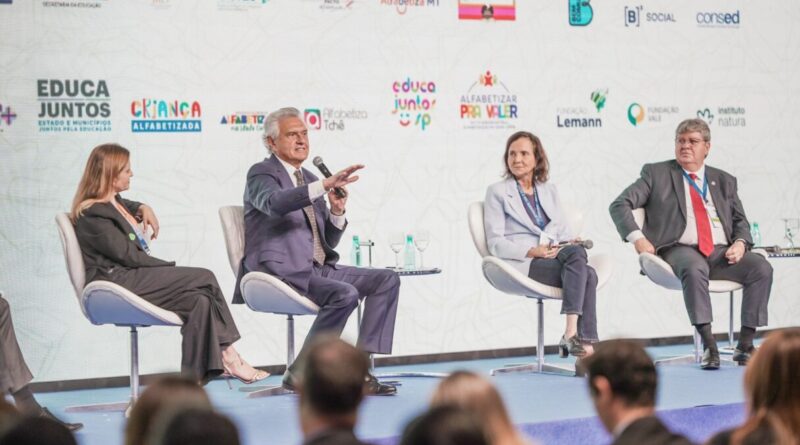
(524, 225)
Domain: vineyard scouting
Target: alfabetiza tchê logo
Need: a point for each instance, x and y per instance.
(166, 116)
(73, 105)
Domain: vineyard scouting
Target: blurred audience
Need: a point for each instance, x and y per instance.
(332, 384)
(445, 425)
(772, 393)
(476, 394)
(38, 431)
(623, 382)
(162, 396)
(193, 426)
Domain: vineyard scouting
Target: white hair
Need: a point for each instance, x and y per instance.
(271, 129)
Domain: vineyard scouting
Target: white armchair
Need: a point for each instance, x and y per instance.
(509, 280)
(661, 273)
(263, 292)
(104, 302)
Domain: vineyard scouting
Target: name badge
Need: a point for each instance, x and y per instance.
(715, 221)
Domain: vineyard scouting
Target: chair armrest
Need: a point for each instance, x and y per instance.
(603, 266)
(263, 292)
(104, 302)
(659, 271)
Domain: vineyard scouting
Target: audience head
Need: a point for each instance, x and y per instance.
(622, 378)
(195, 426)
(445, 425)
(332, 380)
(528, 147)
(37, 431)
(162, 396)
(476, 394)
(771, 387)
(103, 168)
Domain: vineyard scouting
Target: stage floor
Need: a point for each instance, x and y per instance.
(546, 407)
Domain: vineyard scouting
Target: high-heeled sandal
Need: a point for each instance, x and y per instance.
(258, 374)
(570, 346)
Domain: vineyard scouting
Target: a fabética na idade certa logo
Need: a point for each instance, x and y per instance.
(165, 116)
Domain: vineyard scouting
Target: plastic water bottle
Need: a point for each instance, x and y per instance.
(410, 253)
(355, 252)
(755, 233)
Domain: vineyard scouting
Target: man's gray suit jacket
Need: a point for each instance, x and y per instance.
(660, 191)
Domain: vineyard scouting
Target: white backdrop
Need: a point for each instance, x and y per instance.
(341, 57)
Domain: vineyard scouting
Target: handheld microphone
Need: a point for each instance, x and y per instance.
(586, 244)
(340, 192)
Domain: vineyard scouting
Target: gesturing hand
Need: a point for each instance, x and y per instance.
(342, 177)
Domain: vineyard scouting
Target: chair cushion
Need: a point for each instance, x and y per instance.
(104, 302)
(265, 293)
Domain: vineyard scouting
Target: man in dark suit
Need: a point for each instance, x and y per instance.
(331, 387)
(14, 373)
(623, 381)
(696, 223)
(290, 233)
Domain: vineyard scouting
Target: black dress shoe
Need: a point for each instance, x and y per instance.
(743, 355)
(710, 359)
(70, 426)
(376, 388)
(288, 381)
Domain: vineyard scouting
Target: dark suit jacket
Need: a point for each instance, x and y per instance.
(660, 191)
(762, 435)
(105, 239)
(278, 239)
(334, 437)
(650, 431)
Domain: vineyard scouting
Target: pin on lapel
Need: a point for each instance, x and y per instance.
(713, 182)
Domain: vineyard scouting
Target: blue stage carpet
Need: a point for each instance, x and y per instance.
(550, 409)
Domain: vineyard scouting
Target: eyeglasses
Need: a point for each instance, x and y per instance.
(693, 142)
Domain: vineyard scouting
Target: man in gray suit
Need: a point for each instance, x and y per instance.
(290, 233)
(696, 223)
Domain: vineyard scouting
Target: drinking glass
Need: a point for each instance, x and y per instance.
(396, 241)
(791, 226)
(422, 239)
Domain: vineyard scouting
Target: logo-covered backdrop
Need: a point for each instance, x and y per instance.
(422, 92)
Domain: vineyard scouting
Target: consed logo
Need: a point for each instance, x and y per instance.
(413, 102)
(719, 19)
(580, 12)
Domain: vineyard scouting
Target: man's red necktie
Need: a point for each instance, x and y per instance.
(705, 242)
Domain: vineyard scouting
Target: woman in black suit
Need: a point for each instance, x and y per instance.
(115, 249)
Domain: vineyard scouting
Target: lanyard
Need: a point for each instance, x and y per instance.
(535, 211)
(702, 192)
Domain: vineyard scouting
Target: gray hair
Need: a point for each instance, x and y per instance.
(692, 125)
(271, 129)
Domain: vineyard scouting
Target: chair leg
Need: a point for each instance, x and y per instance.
(729, 349)
(540, 366)
(134, 382)
(276, 390)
